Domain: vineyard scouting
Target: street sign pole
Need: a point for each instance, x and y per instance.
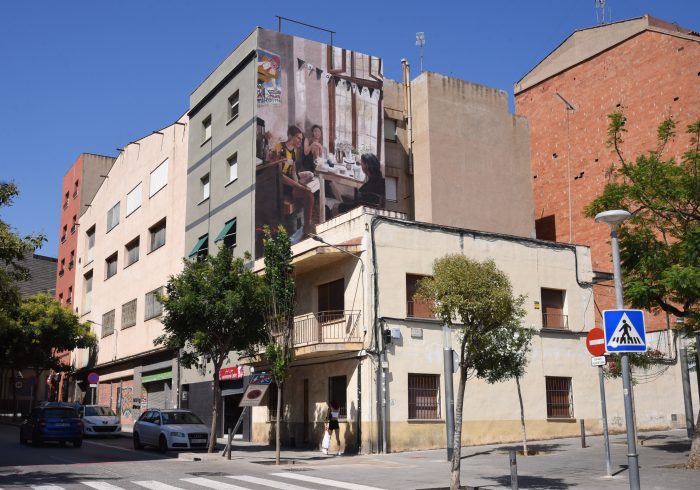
(606, 438)
(595, 343)
(632, 456)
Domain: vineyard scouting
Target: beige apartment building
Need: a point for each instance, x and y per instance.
(131, 241)
(360, 283)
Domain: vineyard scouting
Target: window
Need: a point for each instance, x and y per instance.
(133, 199)
(60, 298)
(108, 324)
(232, 167)
(74, 226)
(62, 269)
(69, 299)
(75, 189)
(228, 234)
(331, 298)
(201, 248)
(416, 307)
(338, 391)
(87, 305)
(90, 245)
(113, 217)
(154, 307)
(206, 129)
(157, 234)
(553, 309)
(233, 106)
(71, 262)
(129, 314)
(65, 200)
(64, 233)
(132, 252)
(159, 178)
(560, 402)
(204, 185)
(546, 229)
(423, 396)
(111, 265)
(390, 129)
(392, 184)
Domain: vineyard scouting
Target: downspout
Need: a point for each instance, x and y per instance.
(358, 430)
(408, 110)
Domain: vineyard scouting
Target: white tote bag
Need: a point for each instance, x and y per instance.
(326, 440)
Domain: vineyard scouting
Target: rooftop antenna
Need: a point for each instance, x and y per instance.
(600, 11)
(420, 42)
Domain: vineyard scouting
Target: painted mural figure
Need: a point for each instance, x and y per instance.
(372, 192)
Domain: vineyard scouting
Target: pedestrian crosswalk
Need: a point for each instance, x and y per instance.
(278, 480)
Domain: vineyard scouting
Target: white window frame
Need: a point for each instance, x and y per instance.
(90, 244)
(234, 106)
(158, 178)
(232, 167)
(133, 199)
(205, 185)
(206, 129)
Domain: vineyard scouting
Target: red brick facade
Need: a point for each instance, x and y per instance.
(649, 76)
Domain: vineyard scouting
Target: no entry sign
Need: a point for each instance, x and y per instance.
(595, 342)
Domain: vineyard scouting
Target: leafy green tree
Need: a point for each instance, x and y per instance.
(13, 248)
(508, 360)
(213, 307)
(660, 245)
(477, 297)
(279, 275)
(41, 329)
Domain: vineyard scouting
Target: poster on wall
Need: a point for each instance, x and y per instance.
(319, 134)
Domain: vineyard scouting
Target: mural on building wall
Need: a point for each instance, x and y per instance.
(319, 133)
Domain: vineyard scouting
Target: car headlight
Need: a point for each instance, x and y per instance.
(177, 434)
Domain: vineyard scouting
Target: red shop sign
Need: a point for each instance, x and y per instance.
(235, 372)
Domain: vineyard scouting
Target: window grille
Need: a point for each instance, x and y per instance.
(129, 314)
(154, 307)
(423, 396)
(560, 401)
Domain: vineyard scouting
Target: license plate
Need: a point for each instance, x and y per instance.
(61, 425)
(196, 441)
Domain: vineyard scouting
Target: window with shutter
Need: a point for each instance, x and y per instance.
(159, 178)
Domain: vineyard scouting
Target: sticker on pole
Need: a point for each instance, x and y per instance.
(624, 331)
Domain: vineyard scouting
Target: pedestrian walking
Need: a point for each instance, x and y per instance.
(332, 426)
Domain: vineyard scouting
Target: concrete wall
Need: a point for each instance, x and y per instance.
(471, 157)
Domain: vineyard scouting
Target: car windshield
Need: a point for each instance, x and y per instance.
(60, 413)
(99, 412)
(171, 418)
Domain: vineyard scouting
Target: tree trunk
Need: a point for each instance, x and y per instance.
(694, 456)
(215, 410)
(277, 424)
(522, 415)
(457, 441)
(35, 388)
(13, 380)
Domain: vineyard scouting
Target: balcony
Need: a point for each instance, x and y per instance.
(555, 321)
(323, 334)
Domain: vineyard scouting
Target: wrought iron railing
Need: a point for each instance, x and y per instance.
(555, 320)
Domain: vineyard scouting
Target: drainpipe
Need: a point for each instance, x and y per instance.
(358, 420)
(408, 110)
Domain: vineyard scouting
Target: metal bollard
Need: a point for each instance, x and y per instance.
(513, 470)
(230, 438)
(583, 434)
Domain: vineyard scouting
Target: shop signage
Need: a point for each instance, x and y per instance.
(232, 372)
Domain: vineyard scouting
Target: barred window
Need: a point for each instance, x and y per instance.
(108, 324)
(423, 396)
(129, 314)
(154, 307)
(560, 401)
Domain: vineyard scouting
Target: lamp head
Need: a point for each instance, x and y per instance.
(317, 238)
(613, 218)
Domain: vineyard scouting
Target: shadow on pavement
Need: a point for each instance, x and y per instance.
(481, 453)
(670, 446)
(537, 448)
(525, 481)
(46, 478)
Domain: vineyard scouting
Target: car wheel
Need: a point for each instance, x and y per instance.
(137, 441)
(77, 443)
(163, 444)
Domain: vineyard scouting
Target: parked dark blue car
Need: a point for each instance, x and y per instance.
(52, 422)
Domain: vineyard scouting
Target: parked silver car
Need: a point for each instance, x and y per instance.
(170, 429)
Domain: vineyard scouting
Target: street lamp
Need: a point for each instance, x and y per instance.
(614, 219)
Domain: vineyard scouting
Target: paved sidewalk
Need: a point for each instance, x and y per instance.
(559, 464)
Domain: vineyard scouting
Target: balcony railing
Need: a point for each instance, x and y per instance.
(326, 327)
(419, 309)
(555, 321)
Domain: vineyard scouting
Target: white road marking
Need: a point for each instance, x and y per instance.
(47, 487)
(268, 483)
(156, 485)
(101, 485)
(217, 485)
(325, 481)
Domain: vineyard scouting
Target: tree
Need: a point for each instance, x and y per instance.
(660, 245)
(13, 248)
(213, 307)
(279, 275)
(508, 360)
(42, 328)
(479, 296)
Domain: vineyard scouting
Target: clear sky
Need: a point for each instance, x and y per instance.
(90, 76)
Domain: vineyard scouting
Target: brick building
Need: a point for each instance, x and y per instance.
(646, 67)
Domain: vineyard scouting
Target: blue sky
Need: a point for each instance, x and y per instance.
(90, 76)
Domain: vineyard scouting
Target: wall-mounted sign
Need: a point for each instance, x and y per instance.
(233, 372)
(537, 305)
(261, 379)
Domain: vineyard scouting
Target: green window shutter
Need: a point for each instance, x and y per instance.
(198, 246)
(225, 230)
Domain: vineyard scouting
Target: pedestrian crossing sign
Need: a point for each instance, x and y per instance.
(624, 331)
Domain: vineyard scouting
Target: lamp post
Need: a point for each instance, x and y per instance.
(448, 361)
(614, 219)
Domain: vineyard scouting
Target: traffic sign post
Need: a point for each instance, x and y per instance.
(595, 343)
